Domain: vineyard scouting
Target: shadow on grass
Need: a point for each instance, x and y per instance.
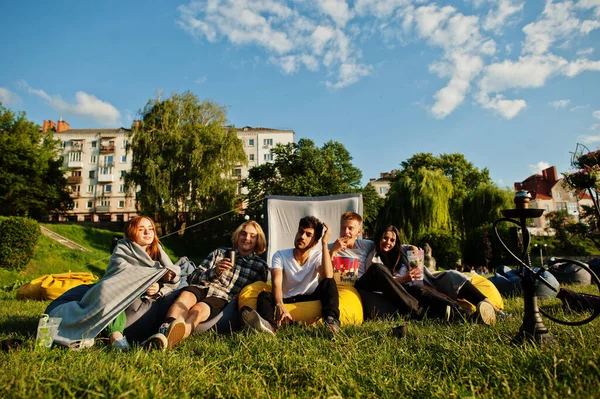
(25, 326)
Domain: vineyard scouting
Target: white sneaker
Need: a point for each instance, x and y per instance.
(156, 341)
(256, 323)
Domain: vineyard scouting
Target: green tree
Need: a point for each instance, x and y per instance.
(463, 175)
(31, 181)
(483, 205)
(183, 158)
(418, 203)
(303, 169)
(372, 204)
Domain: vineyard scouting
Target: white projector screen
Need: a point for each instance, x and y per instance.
(284, 213)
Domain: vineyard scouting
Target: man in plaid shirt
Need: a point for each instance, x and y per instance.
(213, 285)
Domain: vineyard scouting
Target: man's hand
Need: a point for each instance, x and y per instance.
(222, 265)
(153, 289)
(339, 244)
(327, 234)
(282, 315)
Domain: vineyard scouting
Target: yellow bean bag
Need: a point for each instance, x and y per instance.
(351, 312)
(487, 288)
(51, 286)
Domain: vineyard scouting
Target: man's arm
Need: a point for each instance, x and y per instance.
(326, 268)
(281, 313)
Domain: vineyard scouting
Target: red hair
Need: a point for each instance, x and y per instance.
(131, 232)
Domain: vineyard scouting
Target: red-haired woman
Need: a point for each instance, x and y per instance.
(138, 266)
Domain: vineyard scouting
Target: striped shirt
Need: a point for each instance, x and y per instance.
(247, 270)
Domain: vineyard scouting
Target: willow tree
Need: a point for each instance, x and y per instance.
(182, 158)
(483, 205)
(418, 203)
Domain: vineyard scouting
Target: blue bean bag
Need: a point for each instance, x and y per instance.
(569, 273)
(509, 283)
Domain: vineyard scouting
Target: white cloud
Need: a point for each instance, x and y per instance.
(590, 139)
(559, 104)
(336, 9)
(496, 19)
(349, 73)
(584, 52)
(200, 80)
(578, 107)
(578, 66)
(527, 72)
(507, 109)
(595, 126)
(596, 114)
(557, 22)
(86, 105)
(539, 167)
(7, 97)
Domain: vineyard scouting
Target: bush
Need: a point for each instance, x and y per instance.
(445, 248)
(18, 237)
(481, 247)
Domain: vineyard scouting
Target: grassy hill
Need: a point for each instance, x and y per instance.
(53, 257)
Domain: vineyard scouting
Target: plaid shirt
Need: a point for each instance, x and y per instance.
(247, 270)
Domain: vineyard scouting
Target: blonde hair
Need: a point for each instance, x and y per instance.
(351, 216)
(261, 241)
(131, 232)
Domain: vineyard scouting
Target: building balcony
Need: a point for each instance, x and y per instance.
(74, 194)
(105, 178)
(102, 209)
(77, 146)
(74, 179)
(75, 164)
(104, 149)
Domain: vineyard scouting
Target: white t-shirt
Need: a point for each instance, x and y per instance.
(298, 280)
(350, 264)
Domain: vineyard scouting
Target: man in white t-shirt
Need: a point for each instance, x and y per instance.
(299, 274)
(349, 254)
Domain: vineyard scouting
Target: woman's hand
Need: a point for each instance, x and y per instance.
(153, 290)
(282, 314)
(222, 265)
(415, 273)
(168, 276)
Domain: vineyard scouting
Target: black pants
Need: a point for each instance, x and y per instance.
(469, 292)
(379, 278)
(326, 292)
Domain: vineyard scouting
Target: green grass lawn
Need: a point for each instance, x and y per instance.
(434, 360)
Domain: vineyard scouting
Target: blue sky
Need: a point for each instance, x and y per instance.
(513, 85)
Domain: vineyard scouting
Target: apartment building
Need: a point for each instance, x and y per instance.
(258, 142)
(96, 160)
(551, 195)
(383, 183)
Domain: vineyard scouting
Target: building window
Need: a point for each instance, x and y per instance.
(75, 156)
(123, 158)
(124, 145)
(90, 189)
(561, 206)
(75, 205)
(108, 160)
(94, 144)
(268, 157)
(105, 203)
(268, 142)
(251, 157)
(107, 188)
(122, 188)
(121, 204)
(89, 205)
(92, 159)
(559, 195)
(383, 190)
(546, 208)
(237, 173)
(250, 142)
(63, 144)
(572, 207)
(92, 174)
